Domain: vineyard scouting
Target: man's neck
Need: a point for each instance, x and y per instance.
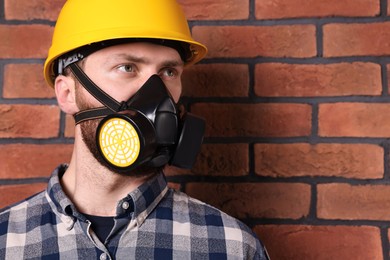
(93, 188)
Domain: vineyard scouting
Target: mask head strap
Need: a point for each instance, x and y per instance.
(111, 105)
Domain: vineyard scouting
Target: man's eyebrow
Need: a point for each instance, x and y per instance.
(129, 57)
(144, 60)
(172, 63)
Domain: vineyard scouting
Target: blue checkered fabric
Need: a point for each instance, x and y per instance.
(152, 222)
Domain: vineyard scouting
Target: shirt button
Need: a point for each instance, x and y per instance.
(103, 256)
(125, 205)
(68, 219)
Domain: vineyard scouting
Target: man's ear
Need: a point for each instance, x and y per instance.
(65, 92)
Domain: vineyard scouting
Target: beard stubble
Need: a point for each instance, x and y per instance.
(88, 133)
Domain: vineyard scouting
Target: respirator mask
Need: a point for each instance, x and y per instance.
(146, 130)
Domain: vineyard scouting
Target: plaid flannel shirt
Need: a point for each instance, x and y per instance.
(152, 222)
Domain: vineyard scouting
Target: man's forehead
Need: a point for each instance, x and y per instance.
(142, 52)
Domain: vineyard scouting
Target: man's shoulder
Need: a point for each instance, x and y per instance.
(214, 225)
(19, 209)
(203, 214)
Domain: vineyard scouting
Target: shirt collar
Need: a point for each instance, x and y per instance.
(147, 196)
(140, 202)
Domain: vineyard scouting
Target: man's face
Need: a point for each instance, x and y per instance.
(120, 71)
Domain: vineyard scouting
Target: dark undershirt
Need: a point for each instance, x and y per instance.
(102, 226)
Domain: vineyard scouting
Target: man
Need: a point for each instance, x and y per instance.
(116, 66)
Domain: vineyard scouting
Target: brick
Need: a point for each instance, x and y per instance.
(217, 160)
(260, 120)
(14, 193)
(25, 41)
(222, 160)
(356, 39)
(354, 120)
(34, 121)
(388, 237)
(216, 9)
(321, 242)
(216, 80)
(25, 81)
(340, 79)
(175, 186)
(352, 202)
(255, 200)
(32, 160)
(252, 41)
(69, 126)
(30, 10)
(170, 171)
(279, 9)
(388, 81)
(360, 161)
(388, 7)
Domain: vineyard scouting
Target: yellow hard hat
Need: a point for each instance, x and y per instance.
(84, 22)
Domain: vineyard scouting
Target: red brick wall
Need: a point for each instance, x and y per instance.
(296, 97)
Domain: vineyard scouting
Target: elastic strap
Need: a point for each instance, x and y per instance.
(111, 105)
(93, 89)
(93, 113)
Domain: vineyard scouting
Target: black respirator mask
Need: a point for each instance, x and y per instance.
(145, 130)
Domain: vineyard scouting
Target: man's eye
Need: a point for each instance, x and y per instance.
(127, 68)
(169, 73)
